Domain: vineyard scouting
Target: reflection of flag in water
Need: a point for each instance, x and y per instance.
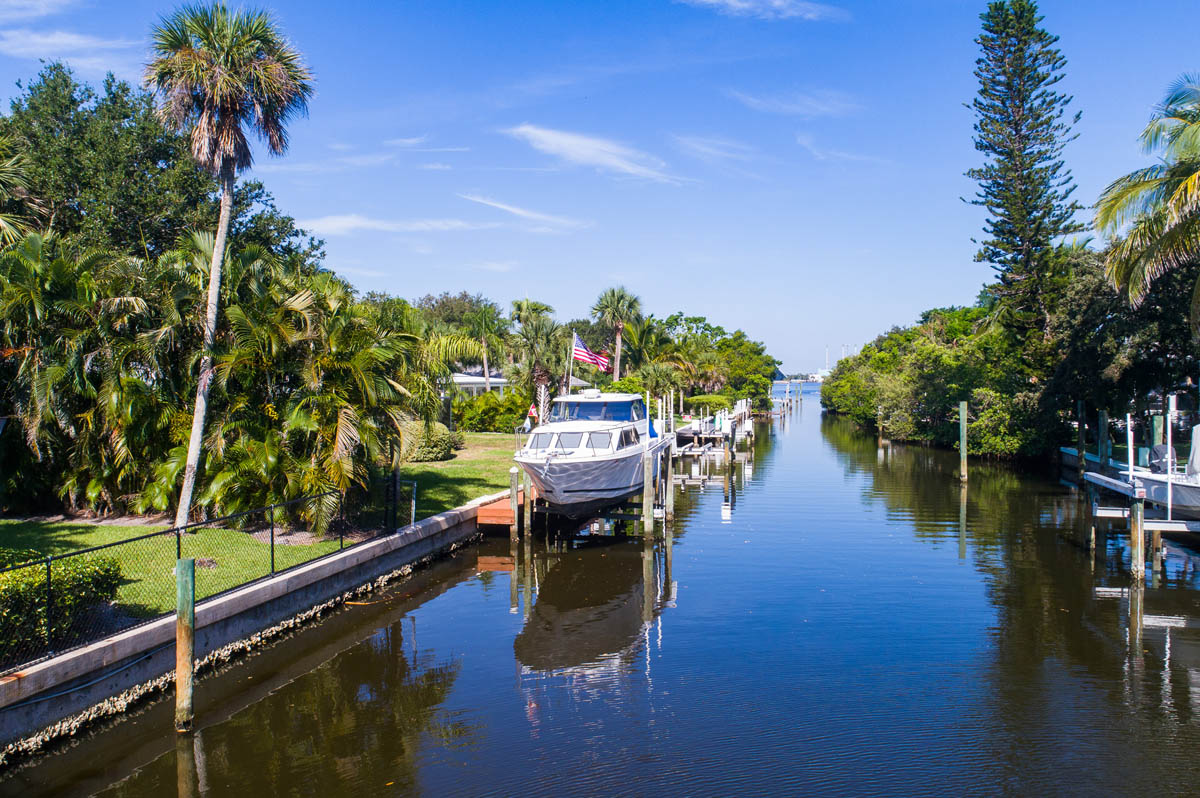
(581, 352)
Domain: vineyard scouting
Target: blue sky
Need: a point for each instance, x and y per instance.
(787, 167)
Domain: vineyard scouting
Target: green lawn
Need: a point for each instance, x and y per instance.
(477, 470)
(227, 557)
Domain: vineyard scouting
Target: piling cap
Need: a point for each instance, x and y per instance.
(514, 470)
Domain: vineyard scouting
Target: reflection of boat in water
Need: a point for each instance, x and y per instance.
(589, 452)
(591, 605)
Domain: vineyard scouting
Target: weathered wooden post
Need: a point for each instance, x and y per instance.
(1102, 442)
(514, 505)
(669, 509)
(528, 504)
(962, 441)
(185, 642)
(1081, 439)
(1156, 430)
(1137, 536)
(647, 490)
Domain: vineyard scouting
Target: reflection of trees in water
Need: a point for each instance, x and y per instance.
(359, 719)
(1050, 624)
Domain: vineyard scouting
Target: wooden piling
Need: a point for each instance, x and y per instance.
(962, 441)
(513, 493)
(185, 642)
(1137, 539)
(1081, 438)
(1102, 442)
(669, 509)
(647, 491)
(1156, 431)
(528, 515)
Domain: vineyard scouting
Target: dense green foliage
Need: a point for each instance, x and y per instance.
(1058, 326)
(78, 585)
(490, 413)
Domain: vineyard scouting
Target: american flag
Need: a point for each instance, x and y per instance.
(581, 352)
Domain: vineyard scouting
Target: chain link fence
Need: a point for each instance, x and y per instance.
(60, 602)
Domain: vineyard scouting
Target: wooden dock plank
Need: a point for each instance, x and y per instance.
(499, 512)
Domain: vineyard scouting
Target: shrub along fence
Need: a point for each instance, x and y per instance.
(53, 604)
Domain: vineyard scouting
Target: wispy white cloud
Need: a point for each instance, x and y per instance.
(413, 144)
(367, 159)
(525, 213)
(500, 266)
(81, 50)
(340, 146)
(824, 154)
(338, 164)
(773, 9)
(344, 224)
(12, 10)
(799, 103)
(714, 149)
(602, 154)
(435, 166)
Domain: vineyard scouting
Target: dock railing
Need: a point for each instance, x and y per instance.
(52, 604)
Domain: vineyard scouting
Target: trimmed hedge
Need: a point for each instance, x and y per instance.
(437, 443)
(709, 403)
(77, 583)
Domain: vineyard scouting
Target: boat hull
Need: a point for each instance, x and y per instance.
(1185, 494)
(574, 487)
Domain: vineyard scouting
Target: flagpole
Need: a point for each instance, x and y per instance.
(571, 362)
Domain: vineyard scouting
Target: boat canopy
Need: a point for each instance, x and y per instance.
(605, 407)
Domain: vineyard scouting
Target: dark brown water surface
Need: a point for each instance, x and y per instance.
(851, 623)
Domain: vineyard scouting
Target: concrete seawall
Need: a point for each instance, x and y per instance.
(49, 692)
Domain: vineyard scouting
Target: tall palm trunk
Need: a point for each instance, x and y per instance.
(210, 334)
(487, 376)
(617, 357)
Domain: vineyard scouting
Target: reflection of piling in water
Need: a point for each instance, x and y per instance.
(962, 521)
(186, 779)
(648, 579)
(513, 598)
(527, 574)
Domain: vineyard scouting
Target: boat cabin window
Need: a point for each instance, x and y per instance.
(539, 440)
(626, 410)
(569, 440)
(629, 437)
(600, 440)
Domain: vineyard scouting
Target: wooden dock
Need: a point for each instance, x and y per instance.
(499, 512)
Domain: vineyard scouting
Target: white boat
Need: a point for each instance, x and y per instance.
(1165, 486)
(589, 452)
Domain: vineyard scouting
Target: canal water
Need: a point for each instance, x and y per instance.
(845, 619)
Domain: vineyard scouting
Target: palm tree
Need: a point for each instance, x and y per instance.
(542, 346)
(525, 309)
(1160, 204)
(13, 190)
(486, 325)
(616, 307)
(220, 73)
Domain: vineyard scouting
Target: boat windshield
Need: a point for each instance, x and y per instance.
(626, 410)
